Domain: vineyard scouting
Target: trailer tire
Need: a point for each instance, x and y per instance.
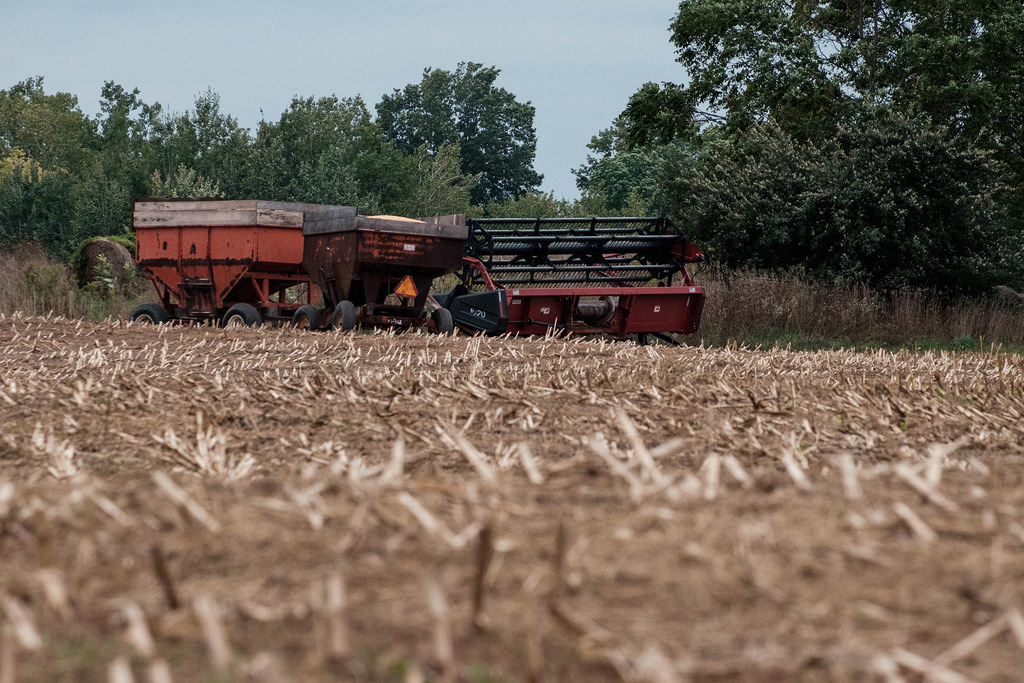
(241, 315)
(345, 316)
(442, 317)
(150, 314)
(305, 318)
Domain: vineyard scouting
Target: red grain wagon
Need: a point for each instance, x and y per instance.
(232, 262)
(248, 262)
(377, 270)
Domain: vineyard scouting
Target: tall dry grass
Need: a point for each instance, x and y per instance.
(762, 309)
(33, 284)
(743, 307)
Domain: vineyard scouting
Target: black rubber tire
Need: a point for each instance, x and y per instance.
(152, 314)
(442, 317)
(241, 315)
(345, 316)
(305, 318)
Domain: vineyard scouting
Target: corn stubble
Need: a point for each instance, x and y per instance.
(276, 505)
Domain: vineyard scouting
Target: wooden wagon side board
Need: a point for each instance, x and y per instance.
(148, 213)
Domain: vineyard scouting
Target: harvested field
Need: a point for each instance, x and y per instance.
(205, 504)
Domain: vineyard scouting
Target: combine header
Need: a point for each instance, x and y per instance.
(617, 276)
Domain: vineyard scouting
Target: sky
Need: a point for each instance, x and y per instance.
(576, 61)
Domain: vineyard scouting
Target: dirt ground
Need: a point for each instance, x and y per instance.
(266, 504)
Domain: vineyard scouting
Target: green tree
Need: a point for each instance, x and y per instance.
(545, 205)
(50, 129)
(809, 66)
(174, 143)
(184, 182)
(205, 140)
(494, 133)
(312, 127)
(321, 140)
(327, 150)
(532, 205)
(874, 141)
(35, 204)
(46, 142)
(891, 201)
(126, 125)
(329, 178)
(439, 187)
(627, 179)
(101, 207)
(265, 173)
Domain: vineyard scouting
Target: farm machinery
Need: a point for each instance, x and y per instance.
(617, 276)
(315, 266)
(310, 265)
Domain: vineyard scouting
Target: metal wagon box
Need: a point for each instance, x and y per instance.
(207, 255)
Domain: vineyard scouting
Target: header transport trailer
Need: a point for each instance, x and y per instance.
(616, 276)
(316, 266)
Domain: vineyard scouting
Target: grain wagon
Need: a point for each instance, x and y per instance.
(377, 270)
(249, 262)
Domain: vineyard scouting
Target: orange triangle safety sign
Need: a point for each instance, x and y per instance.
(407, 288)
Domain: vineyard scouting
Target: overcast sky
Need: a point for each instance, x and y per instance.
(576, 61)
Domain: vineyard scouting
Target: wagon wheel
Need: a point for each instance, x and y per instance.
(345, 316)
(442, 317)
(150, 314)
(241, 315)
(305, 318)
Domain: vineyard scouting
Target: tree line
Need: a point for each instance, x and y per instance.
(453, 143)
(869, 141)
